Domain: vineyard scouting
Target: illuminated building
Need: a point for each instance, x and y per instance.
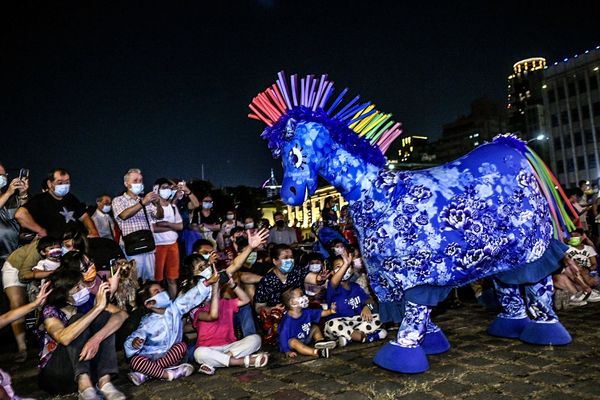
(571, 98)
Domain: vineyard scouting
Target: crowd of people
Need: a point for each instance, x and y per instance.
(199, 291)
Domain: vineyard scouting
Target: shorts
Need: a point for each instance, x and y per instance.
(10, 276)
(144, 263)
(167, 262)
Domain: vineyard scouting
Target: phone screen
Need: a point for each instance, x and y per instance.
(24, 173)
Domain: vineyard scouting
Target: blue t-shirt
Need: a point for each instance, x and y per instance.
(298, 328)
(349, 303)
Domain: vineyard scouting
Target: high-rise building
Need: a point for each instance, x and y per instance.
(571, 99)
(525, 103)
(486, 120)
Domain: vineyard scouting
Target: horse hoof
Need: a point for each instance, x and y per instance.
(553, 333)
(435, 343)
(407, 360)
(508, 327)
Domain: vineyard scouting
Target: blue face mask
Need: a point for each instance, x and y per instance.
(137, 188)
(206, 205)
(162, 300)
(286, 265)
(62, 190)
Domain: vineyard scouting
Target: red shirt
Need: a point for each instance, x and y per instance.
(219, 332)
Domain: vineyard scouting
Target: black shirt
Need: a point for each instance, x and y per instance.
(270, 288)
(55, 216)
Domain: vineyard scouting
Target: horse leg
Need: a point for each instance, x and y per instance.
(545, 328)
(405, 354)
(435, 342)
(513, 318)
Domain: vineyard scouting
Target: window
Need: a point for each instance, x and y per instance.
(582, 86)
(596, 109)
(593, 83)
(589, 137)
(567, 141)
(591, 157)
(559, 166)
(585, 112)
(570, 165)
(580, 162)
(551, 96)
(571, 89)
(577, 137)
(554, 120)
(564, 117)
(561, 93)
(574, 115)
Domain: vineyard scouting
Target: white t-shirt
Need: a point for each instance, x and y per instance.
(171, 214)
(582, 256)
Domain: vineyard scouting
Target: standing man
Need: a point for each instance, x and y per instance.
(102, 217)
(128, 210)
(56, 210)
(281, 233)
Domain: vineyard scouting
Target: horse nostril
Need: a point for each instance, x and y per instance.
(293, 190)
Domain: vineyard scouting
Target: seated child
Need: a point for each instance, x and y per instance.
(585, 258)
(49, 249)
(315, 291)
(354, 320)
(155, 349)
(217, 345)
(299, 326)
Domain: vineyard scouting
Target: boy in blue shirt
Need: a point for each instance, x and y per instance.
(299, 327)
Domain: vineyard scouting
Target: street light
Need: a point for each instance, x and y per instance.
(538, 137)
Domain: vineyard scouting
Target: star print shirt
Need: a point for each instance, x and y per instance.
(349, 302)
(55, 216)
(297, 328)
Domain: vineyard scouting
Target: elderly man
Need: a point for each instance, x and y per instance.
(55, 211)
(135, 212)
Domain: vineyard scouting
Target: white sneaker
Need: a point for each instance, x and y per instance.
(325, 344)
(593, 296)
(137, 378)
(382, 334)
(88, 394)
(342, 341)
(111, 393)
(578, 299)
(180, 371)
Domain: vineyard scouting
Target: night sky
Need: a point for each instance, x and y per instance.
(164, 86)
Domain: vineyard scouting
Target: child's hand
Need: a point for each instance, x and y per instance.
(137, 343)
(214, 278)
(366, 314)
(291, 354)
(333, 308)
(323, 276)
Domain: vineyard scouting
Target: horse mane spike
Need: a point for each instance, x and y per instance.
(305, 100)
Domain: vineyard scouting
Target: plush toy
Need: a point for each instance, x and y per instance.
(494, 212)
(125, 294)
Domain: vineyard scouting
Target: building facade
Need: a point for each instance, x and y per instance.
(571, 99)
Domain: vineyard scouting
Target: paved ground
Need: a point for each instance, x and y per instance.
(477, 367)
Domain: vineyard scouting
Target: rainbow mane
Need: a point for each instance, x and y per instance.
(358, 127)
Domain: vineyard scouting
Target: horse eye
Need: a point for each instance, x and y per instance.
(296, 157)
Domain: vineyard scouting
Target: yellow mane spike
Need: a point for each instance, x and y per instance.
(361, 112)
(373, 123)
(364, 122)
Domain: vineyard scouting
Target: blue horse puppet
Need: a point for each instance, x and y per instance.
(490, 213)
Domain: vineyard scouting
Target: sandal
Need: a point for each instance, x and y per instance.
(206, 369)
(260, 360)
(21, 356)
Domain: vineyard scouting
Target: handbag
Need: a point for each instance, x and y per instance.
(141, 241)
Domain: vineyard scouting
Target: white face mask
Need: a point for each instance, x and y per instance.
(338, 251)
(106, 209)
(81, 297)
(315, 267)
(206, 273)
(161, 300)
(302, 302)
(347, 275)
(3, 181)
(249, 226)
(230, 217)
(137, 188)
(165, 194)
(62, 190)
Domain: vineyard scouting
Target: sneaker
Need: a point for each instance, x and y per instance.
(325, 344)
(88, 394)
(180, 371)
(578, 299)
(137, 378)
(593, 296)
(323, 353)
(379, 335)
(342, 341)
(111, 393)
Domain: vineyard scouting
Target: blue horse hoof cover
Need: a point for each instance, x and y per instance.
(546, 334)
(508, 327)
(435, 343)
(407, 360)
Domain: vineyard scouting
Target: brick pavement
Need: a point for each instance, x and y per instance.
(477, 367)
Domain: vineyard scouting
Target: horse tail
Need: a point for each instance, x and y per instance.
(554, 194)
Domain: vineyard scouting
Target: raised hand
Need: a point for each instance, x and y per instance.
(257, 238)
(101, 300)
(43, 294)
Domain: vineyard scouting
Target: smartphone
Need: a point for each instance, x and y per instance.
(155, 189)
(24, 174)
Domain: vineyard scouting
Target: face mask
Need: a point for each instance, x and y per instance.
(55, 254)
(207, 205)
(137, 188)
(230, 217)
(358, 263)
(64, 250)
(301, 302)
(206, 272)
(338, 251)
(106, 209)
(314, 267)
(347, 275)
(575, 241)
(165, 193)
(81, 297)
(3, 181)
(50, 265)
(251, 258)
(249, 226)
(205, 256)
(90, 275)
(286, 265)
(280, 223)
(161, 299)
(62, 190)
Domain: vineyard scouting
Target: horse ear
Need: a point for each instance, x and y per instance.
(290, 128)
